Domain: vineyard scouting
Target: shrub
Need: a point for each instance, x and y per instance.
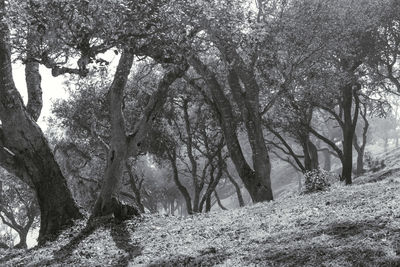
(374, 164)
(317, 180)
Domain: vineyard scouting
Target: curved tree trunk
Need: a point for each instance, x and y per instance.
(256, 183)
(107, 201)
(122, 145)
(214, 180)
(237, 188)
(219, 201)
(26, 153)
(249, 105)
(181, 187)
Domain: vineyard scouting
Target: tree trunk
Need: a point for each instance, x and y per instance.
(32, 76)
(135, 188)
(313, 151)
(360, 156)
(349, 124)
(121, 145)
(27, 151)
(361, 148)
(107, 201)
(237, 188)
(210, 188)
(327, 159)
(307, 158)
(196, 200)
(256, 183)
(248, 103)
(22, 239)
(219, 201)
(208, 204)
(172, 207)
(197, 185)
(181, 187)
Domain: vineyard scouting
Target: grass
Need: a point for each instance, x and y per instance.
(355, 225)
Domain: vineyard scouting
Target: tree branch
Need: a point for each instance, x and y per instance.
(328, 142)
(153, 107)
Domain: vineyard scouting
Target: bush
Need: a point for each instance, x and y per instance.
(373, 164)
(317, 180)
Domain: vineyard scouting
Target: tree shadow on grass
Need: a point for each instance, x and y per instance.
(342, 230)
(321, 256)
(122, 239)
(347, 249)
(10, 255)
(67, 250)
(207, 258)
(349, 229)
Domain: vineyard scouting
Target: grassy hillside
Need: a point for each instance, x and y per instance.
(345, 226)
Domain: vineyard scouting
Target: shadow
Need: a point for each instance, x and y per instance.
(11, 254)
(90, 227)
(67, 250)
(210, 257)
(345, 249)
(321, 256)
(384, 175)
(121, 237)
(348, 229)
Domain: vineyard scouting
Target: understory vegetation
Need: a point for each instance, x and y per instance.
(342, 226)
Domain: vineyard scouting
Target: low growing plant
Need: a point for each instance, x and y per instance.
(317, 180)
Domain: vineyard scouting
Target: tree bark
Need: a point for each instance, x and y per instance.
(237, 188)
(249, 103)
(197, 185)
(327, 159)
(122, 145)
(29, 152)
(313, 152)
(361, 148)
(107, 201)
(349, 125)
(256, 184)
(32, 77)
(181, 187)
(219, 201)
(135, 187)
(214, 179)
(22, 239)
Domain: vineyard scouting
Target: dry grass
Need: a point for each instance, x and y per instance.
(346, 226)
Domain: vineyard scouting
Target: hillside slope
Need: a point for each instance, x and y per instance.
(345, 226)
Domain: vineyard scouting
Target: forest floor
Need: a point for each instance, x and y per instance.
(356, 225)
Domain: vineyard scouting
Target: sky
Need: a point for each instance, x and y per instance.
(52, 87)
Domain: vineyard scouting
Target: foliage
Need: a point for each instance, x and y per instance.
(317, 180)
(18, 207)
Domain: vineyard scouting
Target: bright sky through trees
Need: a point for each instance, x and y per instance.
(52, 88)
